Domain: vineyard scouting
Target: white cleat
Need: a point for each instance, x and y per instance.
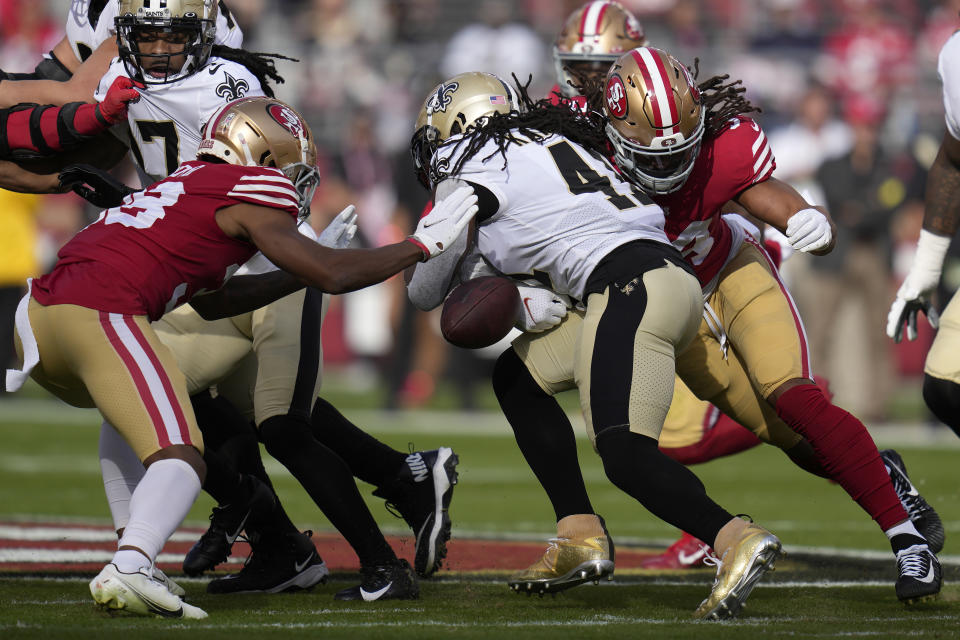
(139, 593)
(171, 586)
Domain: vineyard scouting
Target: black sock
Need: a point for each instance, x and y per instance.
(544, 435)
(665, 487)
(231, 446)
(368, 458)
(329, 482)
(223, 481)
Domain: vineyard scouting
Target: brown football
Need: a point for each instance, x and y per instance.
(480, 312)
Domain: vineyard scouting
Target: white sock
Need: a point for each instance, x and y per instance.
(121, 470)
(904, 527)
(158, 505)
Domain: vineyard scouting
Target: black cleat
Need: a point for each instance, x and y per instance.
(226, 524)
(920, 576)
(922, 515)
(421, 495)
(288, 564)
(394, 581)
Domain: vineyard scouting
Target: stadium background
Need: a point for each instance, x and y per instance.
(827, 74)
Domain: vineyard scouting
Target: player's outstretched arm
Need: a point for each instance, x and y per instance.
(342, 270)
(13, 177)
(808, 228)
(242, 294)
(79, 88)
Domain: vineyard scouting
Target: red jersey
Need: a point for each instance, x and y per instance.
(163, 245)
(729, 162)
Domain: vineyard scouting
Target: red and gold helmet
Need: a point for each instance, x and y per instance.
(593, 37)
(264, 132)
(656, 119)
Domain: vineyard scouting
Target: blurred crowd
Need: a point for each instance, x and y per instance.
(849, 97)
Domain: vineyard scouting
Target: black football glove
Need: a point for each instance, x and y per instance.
(94, 185)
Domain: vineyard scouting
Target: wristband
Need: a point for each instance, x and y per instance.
(931, 251)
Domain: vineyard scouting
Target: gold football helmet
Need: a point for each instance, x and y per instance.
(192, 22)
(656, 119)
(453, 107)
(593, 37)
(264, 132)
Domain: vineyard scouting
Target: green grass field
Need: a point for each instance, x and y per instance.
(49, 470)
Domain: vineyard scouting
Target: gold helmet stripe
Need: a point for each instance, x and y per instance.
(659, 90)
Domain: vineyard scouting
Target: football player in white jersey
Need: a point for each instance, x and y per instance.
(553, 210)
(83, 55)
(941, 220)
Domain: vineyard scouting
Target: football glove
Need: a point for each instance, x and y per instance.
(94, 185)
(122, 92)
(808, 230)
(540, 308)
(340, 231)
(439, 228)
(914, 294)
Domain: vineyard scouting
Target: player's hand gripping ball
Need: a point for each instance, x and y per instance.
(480, 312)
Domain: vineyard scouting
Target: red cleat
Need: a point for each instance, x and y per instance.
(686, 553)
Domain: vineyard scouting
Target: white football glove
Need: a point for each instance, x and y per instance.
(540, 308)
(439, 228)
(914, 293)
(340, 231)
(808, 230)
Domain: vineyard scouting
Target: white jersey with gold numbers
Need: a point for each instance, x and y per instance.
(561, 210)
(165, 124)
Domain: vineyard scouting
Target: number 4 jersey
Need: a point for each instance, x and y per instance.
(163, 245)
(166, 122)
(561, 210)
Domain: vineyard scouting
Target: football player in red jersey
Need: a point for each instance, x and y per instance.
(693, 152)
(83, 330)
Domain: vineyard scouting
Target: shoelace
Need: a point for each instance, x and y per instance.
(914, 561)
(711, 560)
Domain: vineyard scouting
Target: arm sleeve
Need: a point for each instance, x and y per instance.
(30, 130)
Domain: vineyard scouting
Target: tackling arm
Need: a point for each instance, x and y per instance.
(242, 294)
(79, 88)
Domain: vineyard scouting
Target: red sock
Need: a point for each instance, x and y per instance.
(724, 438)
(845, 449)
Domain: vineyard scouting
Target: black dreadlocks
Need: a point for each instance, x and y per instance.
(261, 65)
(533, 121)
(721, 102)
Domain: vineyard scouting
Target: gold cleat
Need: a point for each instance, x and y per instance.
(740, 568)
(567, 563)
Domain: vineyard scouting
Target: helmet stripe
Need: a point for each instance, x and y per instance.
(655, 79)
(592, 18)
